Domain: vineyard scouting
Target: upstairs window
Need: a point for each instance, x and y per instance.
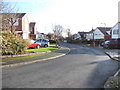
(16, 21)
(116, 31)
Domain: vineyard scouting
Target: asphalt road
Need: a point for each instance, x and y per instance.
(83, 67)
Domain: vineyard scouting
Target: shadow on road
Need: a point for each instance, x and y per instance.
(103, 70)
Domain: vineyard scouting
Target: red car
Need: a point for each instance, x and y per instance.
(114, 44)
(32, 44)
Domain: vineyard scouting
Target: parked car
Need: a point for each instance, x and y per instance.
(33, 44)
(114, 44)
(105, 44)
(111, 44)
(43, 42)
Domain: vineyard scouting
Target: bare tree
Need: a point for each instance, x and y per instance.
(9, 16)
(50, 36)
(8, 21)
(1, 6)
(6, 7)
(57, 29)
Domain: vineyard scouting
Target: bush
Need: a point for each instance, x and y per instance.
(77, 41)
(52, 41)
(12, 44)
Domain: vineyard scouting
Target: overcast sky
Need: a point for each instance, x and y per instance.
(78, 15)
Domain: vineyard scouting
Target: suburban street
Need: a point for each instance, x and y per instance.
(82, 67)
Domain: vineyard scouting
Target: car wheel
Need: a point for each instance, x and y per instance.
(106, 46)
(45, 45)
(38, 46)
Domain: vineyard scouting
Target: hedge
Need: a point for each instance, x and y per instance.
(12, 44)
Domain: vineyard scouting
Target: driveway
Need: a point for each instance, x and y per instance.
(83, 67)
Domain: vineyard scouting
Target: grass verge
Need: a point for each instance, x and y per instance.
(52, 47)
(12, 60)
(42, 49)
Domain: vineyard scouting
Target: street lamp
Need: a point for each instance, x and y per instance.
(93, 38)
(104, 25)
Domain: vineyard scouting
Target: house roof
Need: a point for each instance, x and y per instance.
(104, 30)
(91, 31)
(18, 15)
(32, 24)
(115, 25)
(82, 33)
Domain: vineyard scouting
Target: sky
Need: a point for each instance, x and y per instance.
(77, 15)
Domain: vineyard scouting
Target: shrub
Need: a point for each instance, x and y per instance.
(52, 41)
(12, 44)
(77, 41)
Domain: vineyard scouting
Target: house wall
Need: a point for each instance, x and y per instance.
(114, 29)
(32, 28)
(35, 28)
(40, 35)
(108, 32)
(98, 34)
(78, 36)
(19, 26)
(32, 34)
(89, 36)
(107, 37)
(25, 27)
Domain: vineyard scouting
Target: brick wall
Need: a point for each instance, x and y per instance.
(19, 27)
(107, 37)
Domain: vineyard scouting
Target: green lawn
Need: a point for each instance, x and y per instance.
(12, 60)
(52, 47)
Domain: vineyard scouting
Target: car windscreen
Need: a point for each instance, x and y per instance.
(38, 40)
(106, 42)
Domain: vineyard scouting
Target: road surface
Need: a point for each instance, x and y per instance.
(83, 67)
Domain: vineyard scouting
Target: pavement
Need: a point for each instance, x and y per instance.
(24, 61)
(114, 55)
(114, 80)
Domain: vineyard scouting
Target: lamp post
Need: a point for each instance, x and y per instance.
(104, 25)
(93, 38)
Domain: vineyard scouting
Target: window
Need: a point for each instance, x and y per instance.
(16, 21)
(44, 40)
(39, 40)
(116, 31)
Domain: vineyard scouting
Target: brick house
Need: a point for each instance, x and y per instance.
(32, 34)
(22, 25)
